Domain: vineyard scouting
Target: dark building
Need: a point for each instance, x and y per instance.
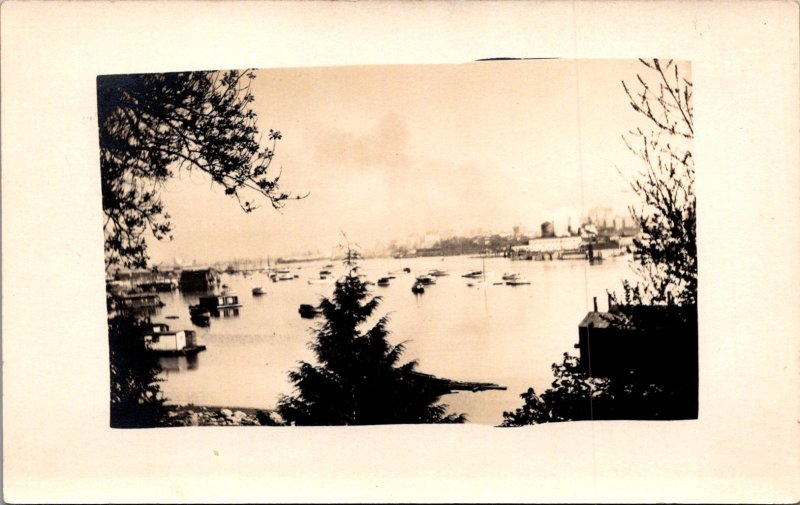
(199, 280)
(548, 230)
(646, 346)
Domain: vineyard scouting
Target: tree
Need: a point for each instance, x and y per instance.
(151, 125)
(357, 380)
(571, 397)
(136, 399)
(667, 245)
(666, 253)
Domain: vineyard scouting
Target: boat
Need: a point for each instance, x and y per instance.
(426, 280)
(320, 281)
(137, 301)
(417, 288)
(308, 311)
(161, 340)
(383, 281)
(437, 273)
(518, 281)
(407, 270)
(258, 291)
(324, 273)
(199, 315)
(475, 274)
(215, 303)
(510, 277)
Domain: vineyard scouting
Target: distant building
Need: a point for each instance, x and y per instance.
(551, 244)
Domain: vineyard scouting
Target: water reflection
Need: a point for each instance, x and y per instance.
(179, 363)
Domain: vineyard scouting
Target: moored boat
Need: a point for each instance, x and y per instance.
(475, 274)
(417, 288)
(308, 311)
(383, 281)
(426, 280)
(161, 340)
(518, 281)
(258, 291)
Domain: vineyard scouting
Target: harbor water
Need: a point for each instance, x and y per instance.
(487, 332)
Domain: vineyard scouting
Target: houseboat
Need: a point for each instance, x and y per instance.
(161, 340)
(199, 315)
(137, 301)
(215, 304)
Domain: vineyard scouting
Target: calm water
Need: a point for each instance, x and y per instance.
(509, 335)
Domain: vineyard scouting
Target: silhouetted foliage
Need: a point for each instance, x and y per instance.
(136, 399)
(666, 247)
(665, 251)
(570, 397)
(576, 396)
(151, 125)
(358, 380)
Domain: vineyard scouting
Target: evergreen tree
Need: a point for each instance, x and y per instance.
(357, 379)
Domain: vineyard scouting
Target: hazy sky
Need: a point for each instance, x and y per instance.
(387, 151)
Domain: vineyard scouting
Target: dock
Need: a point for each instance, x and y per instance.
(450, 386)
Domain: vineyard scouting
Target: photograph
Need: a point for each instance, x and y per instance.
(503, 242)
(400, 252)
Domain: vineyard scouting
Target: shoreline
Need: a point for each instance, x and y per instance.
(177, 415)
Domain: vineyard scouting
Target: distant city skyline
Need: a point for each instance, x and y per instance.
(387, 151)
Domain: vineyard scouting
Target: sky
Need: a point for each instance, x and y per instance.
(388, 151)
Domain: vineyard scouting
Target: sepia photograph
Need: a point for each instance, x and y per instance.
(400, 252)
(502, 242)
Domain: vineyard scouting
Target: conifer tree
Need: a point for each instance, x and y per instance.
(357, 379)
